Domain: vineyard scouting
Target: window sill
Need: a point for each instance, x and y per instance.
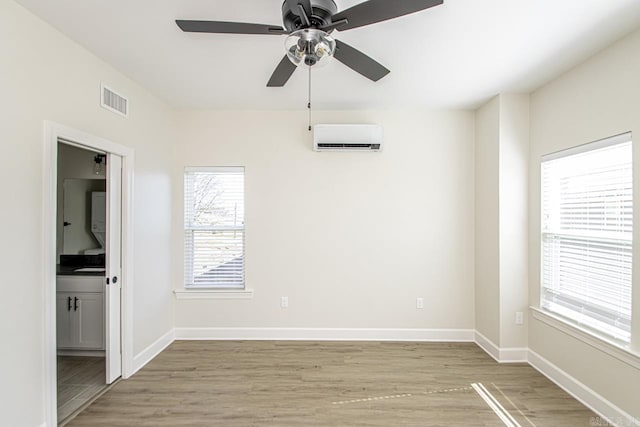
(611, 348)
(213, 294)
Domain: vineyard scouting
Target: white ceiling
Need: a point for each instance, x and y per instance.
(452, 56)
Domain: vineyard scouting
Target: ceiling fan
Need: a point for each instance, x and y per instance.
(309, 24)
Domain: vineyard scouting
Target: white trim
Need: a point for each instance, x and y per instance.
(149, 353)
(84, 353)
(213, 294)
(513, 355)
(54, 132)
(487, 345)
(595, 145)
(325, 334)
(190, 229)
(49, 190)
(128, 167)
(581, 392)
(612, 349)
(213, 169)
(501, 355)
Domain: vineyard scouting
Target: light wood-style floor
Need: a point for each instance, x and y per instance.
(79, 380)
(205, 383)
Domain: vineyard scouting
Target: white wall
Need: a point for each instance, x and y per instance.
(513, 217)
(502, 148)
(487, 220)
(351, 238)
(597, 99)
(44, 76)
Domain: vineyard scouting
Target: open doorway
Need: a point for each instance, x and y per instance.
(87, 222)
(80, 277)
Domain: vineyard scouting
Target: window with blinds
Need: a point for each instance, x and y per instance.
(214, 227)
(586, 223)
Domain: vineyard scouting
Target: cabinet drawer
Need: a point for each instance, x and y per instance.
(80, 284)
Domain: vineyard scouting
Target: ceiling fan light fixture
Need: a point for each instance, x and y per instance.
(310, 47)
(309, 23)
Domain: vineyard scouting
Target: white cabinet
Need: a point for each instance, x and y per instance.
(90, 327)
(64, 319)
(80, 315)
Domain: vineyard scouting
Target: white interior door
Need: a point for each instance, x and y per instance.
(113, 267)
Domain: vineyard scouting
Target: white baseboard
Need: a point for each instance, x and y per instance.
(501, 355)
(147, 355)
(488, 346)
(581, 392)
(513, 355)
(575, 388)
(325, 334)
(85, 353)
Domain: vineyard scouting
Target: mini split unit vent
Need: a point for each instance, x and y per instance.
(113, 101)
(347, 138)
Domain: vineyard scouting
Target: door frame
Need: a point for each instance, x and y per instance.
(53, 133)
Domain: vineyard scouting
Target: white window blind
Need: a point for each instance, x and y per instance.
(587, 207)
(214, 227)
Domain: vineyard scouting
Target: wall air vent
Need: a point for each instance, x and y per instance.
(347, 138)
(113, 101)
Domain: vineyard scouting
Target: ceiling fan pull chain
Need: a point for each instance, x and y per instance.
(309, 103)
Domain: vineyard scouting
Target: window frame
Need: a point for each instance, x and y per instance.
(224, 291)
(626, 137)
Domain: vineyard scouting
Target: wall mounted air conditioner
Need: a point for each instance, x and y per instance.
(347, 137)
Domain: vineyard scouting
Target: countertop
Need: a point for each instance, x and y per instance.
(63, 270)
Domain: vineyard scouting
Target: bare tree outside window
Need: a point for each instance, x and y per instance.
(214, 228)
(208, 191)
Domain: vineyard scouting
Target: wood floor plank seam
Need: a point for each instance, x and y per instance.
(398, 396)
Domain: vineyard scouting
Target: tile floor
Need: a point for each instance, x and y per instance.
(79, 380)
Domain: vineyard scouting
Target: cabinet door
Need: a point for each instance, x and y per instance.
(89, 321)
(64, 319)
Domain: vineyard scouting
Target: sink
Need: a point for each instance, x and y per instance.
(90, 270)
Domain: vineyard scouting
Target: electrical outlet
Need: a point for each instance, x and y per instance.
(284, 302)
(519, 318)
(420, 303)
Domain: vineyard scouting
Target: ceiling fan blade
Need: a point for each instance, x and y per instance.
(372, 11)
(335, 25)
(359, 62)
(228, 27)
(283, 72)
(306, 5)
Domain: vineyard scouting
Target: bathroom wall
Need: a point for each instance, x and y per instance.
(76, 166)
